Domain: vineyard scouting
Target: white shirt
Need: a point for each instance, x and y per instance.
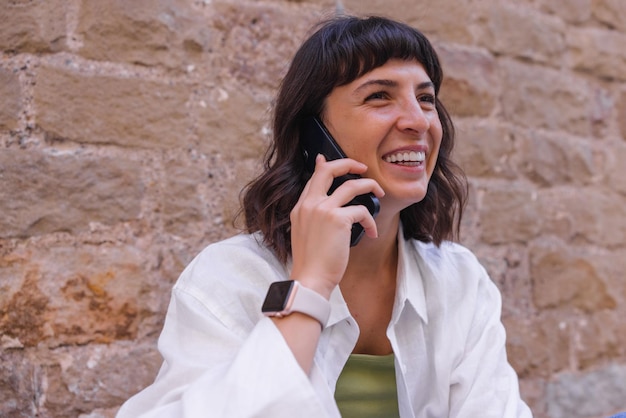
(223, 358)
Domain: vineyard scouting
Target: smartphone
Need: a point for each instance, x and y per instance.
(315, 139)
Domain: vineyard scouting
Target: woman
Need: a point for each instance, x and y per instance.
(403, 291)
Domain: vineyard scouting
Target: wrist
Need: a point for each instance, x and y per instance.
(317, 286)
(289, 296)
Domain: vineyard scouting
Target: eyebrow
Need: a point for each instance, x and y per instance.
(391, 83)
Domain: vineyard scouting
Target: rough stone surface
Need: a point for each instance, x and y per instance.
(99, 292)
(509, 213)
(471, 82)
(128, 129)
(599, 52)
(573, 11)
(33, 25)
(597, 220)
(245, 135)
(143, 32)
(550, 348)
(433, 18)
(543, 98)
(73, 381)
(612, 13)
(551, 160)
(562, 280)
(590, 394)
(11, 103)
(119, 110)
(485, 149)
(621, 118)
(537, 38)
(43, 192)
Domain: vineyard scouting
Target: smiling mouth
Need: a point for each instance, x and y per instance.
(411, 158)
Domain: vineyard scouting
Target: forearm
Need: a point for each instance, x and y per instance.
(301, 333)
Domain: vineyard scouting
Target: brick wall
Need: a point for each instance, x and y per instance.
(127, 129)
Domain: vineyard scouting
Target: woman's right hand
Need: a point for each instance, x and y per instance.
(321, 225)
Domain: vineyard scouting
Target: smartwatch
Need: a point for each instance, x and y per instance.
(289, 296)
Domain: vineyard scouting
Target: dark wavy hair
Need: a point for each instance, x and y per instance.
(341, 50)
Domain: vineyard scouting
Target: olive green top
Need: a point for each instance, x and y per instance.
(367, 387)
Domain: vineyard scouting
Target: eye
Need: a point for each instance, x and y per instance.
(427, 98)
(379, 95)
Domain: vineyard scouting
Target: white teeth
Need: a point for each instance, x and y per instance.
(406, 156)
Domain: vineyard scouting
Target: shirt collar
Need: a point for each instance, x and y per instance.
(409, 286)
(410, 279)
(339, 308)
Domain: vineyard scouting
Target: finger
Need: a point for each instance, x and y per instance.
(360, 214)
(339, 167)
(326, 171)
(355, 187)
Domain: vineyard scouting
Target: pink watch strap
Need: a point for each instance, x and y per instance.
(310, 303)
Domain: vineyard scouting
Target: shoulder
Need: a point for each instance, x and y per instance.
(233, 271)
(240, 255)
(247, 245)
(449, 257)
(453, 273)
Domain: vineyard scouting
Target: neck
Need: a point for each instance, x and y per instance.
(373, 256)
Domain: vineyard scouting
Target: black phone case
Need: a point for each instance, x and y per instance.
(315, 139)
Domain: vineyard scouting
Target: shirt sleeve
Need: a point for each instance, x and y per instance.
(213, 369)
(484, 383)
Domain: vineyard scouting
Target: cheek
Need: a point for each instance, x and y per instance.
(436, 133)
(436, 138)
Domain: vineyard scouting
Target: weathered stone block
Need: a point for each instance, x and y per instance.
(572, 11)
(621, 115)
(237, 177)
(551, 159)
(183, 207)
(589, 214)
(17, 397)
(42, 193)
(563, 279)
(538, 97)
(130, 112)
(33, 26)
(601, 52)
(615, 168)
(70, 295)
(258, 39)
(471, 83)
(485, 149)
(611, 12)
(593, 393)
(509, 214)
(439, 19)
(85, 379)
(170, 33)
(600, 336)
(11, 103)
(538, 345)
(230, 122)
(74, 381)
(519, 31)
(507, 266)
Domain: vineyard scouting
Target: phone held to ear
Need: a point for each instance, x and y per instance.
(315, 139)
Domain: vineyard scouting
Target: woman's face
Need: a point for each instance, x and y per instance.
(387, 120)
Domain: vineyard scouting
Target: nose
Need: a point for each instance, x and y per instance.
(413, 117)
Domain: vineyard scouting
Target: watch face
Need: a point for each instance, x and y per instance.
(277, 296)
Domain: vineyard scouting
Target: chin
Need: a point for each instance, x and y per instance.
(401, 204)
